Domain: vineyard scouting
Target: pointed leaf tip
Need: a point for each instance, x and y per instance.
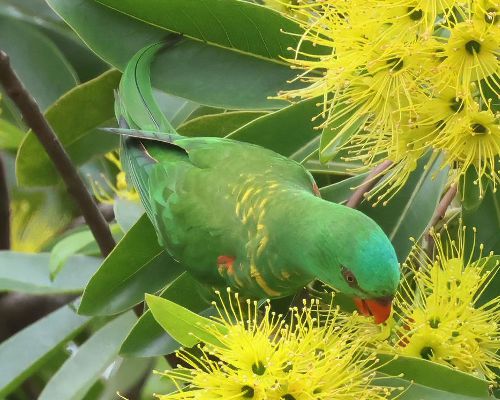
(183, 325)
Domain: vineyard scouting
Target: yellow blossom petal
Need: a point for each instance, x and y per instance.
(440, 319)
(267, 356)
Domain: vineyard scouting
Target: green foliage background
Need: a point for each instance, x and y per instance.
(216, 82)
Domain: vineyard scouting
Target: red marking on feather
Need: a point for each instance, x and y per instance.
(226, 263)
(316, 190)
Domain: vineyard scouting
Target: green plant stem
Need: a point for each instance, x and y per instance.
(39, 125)
(4, 209)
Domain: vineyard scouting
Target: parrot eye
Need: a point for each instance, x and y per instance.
(349, 277)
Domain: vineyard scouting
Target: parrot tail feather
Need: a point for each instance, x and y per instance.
(145, 135)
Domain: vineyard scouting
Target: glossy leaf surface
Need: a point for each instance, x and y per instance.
(83, 369)
(30, 273)
(409, 212)
(75, 118)
(137, 265)
(37, 342)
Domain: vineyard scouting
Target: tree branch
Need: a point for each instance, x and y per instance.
(438, 215)
(4, 209)
(443, 205)
(367, 185)
(36, 121)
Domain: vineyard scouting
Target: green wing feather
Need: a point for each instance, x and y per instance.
(196, 190)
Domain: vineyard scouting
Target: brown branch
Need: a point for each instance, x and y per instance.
(36, 121)
(439, 215)
(367, 185)
(443, 205)
(4, 209)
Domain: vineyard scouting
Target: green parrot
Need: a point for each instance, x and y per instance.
(236, 214)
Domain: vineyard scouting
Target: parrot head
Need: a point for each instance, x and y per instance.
(356, 257)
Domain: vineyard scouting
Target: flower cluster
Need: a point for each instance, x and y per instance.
(121, 189)
(267, 356)
(399, 78)
(441, 315)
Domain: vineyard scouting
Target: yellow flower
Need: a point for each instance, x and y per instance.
(313, 354)
(471, 55)
(400, 77)
(487, 10)
(36, 219)
(472, 139)
(120, 189)
(439, 318)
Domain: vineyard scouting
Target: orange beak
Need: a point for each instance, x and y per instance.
(380, 308)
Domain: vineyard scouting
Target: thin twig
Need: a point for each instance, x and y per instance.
(36, 121)
(367, 185)
(443, 205)
(439, 215)
(4, 209)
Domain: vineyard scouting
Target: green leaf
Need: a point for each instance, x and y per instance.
(341, 191)
(492, 290)
(243, 26)
(224, 78)
(335, 135)
(407, 390)
(29, 273)
(30, 10)
(81, 242)
(82, 370)
(37, 61)
(127, 213)
(128, 374)
(67, 247)
(336, 166)
(486, 219)
(75, 118)
(157, 383)
(308, 151)
(218, 125)
(11, 113)
(469, 189)
(308, 155)
(39, 15)
(10, 135)
(409, 212)
(434, 375)
(25, 352)
(176, 109)
(85, 62)
(138, 264)
(284, 131)
(103, 30)
(147, 338)
(183, 325)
